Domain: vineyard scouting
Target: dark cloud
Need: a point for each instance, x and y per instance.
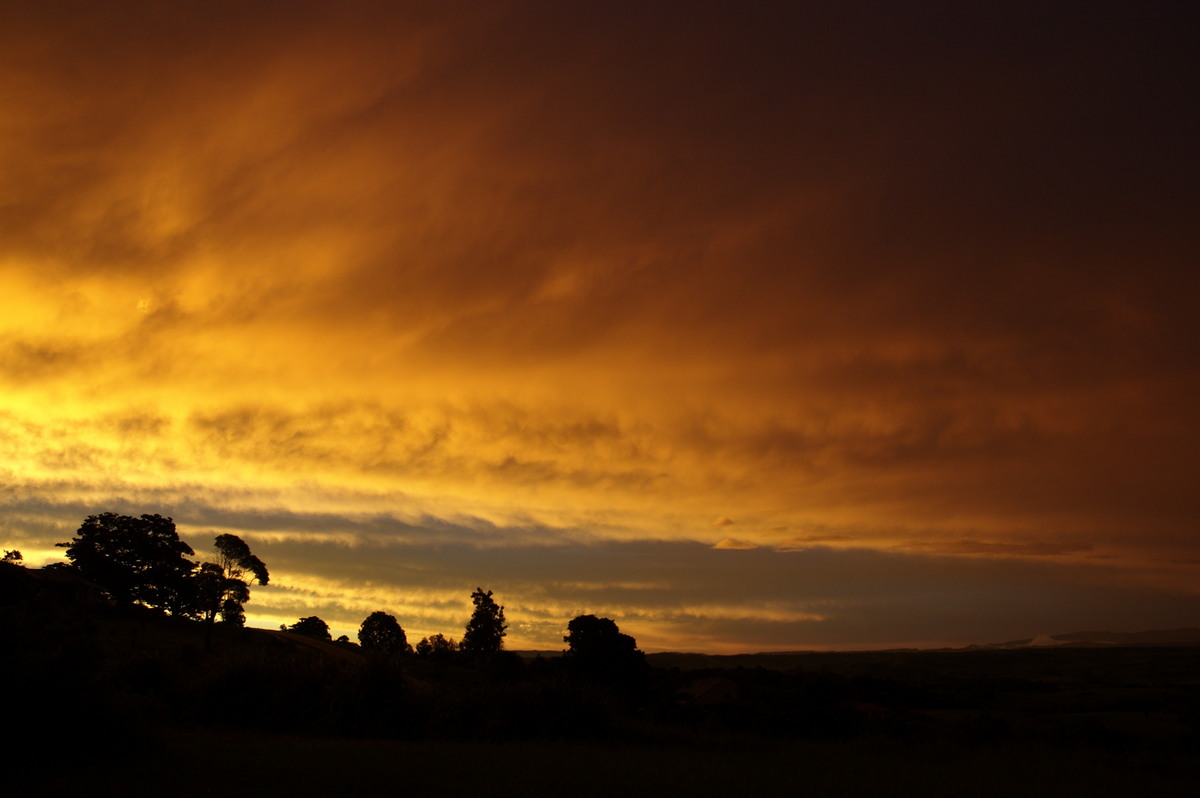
(674, 591)
(1004, 548)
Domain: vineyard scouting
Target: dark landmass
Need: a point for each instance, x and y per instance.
(131, 702)
(1189, 636)
(784, 660)
(1158, 637)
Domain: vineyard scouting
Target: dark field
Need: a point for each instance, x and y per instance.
(230, 763)
(129, 702)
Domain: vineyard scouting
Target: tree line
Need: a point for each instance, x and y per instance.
(381, 633)
(143, 561)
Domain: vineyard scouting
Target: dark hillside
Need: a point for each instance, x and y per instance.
(95, 685)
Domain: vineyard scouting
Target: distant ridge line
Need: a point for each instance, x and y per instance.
(1187, 636)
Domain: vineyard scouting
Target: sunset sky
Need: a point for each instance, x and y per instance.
(801, 325)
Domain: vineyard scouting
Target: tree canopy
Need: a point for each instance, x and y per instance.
(590, 637)
(436, 647)
(223, 587)
(136, 560)
(381, 632)
(485, 630)
(312, 626)
(596, 646)
(237, 562)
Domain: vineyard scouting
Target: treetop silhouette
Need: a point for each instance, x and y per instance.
(437, 647)
(313, 627)
(136, 560)
(222, 586)
(485, 631)
(381, 632)
(597, 647)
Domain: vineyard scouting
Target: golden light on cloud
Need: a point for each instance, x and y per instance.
(733, 543)
(547, 282)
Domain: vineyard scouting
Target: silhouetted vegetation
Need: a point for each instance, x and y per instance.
(437, 647)
(381, 632)
(223, 586)
(313, 627)
(143, 561)
(486, 629)
(598, 649)
(146, 676)
(136, 560)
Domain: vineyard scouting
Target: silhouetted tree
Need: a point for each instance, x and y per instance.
(223, 587)
(485, 630)
(590, 637)
(231, 608)
(134, 559)
(436, 647)
(12, 557)
(237, 561)
(597, 647)
(381, 632)
(313, 627)
(15, 585)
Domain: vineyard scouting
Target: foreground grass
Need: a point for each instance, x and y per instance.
(185, 764)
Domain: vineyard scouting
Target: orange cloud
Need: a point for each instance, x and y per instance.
(604, 276)
(733, 543)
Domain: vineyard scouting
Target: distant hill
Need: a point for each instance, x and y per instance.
(1189, 636)
(782, 660)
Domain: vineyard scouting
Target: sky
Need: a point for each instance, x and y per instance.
(752, 327)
